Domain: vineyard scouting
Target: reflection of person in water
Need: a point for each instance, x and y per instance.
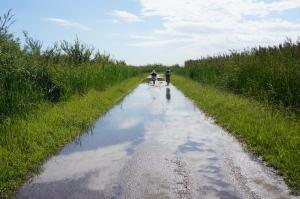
(168, 94)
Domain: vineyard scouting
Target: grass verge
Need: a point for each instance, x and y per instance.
(25, 143)
(265, 131)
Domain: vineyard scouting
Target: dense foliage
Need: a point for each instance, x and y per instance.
(265, 73)
(29, 75)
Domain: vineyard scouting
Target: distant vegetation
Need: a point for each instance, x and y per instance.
(270, 74)
(30, 75)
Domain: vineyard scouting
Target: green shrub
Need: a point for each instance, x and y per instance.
(29, 75)
(265, 73)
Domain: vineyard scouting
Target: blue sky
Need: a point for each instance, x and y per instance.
(158, 31)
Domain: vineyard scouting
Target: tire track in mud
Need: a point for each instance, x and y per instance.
(240, 180)
(151, 173)
(184, 182)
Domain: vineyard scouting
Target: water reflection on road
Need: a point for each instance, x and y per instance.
(155, 144)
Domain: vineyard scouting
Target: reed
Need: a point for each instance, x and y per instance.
(269, 74)
(30, 76)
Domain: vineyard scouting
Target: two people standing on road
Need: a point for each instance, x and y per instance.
(167, 74)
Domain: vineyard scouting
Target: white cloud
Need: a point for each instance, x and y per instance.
(143, 37)
(114, 21)
(276, 6)
(126, 16)
(66, 23)
(157, 42)
(218, 25)
(217, 9)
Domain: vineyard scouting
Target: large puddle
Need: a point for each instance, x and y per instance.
(155, 144)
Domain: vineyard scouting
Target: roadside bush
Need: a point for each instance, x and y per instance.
(265, 73)
(29, 76)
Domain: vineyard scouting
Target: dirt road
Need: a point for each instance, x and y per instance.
(155, 144)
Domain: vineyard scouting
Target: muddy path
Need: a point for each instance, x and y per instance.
(155, 144)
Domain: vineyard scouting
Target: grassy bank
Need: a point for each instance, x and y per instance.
(28, 78)
(25, 143)
(269, 74)
(31, 74)
(267, 132)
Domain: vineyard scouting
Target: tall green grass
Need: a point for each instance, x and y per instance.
(266, 73)
(30, 75)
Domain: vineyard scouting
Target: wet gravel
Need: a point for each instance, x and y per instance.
(155, 144)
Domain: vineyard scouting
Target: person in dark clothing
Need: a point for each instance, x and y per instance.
(168, 75)
(153, 76)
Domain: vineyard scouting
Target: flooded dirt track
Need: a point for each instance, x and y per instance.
(155, 144)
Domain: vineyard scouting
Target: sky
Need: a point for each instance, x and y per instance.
(158, 31)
